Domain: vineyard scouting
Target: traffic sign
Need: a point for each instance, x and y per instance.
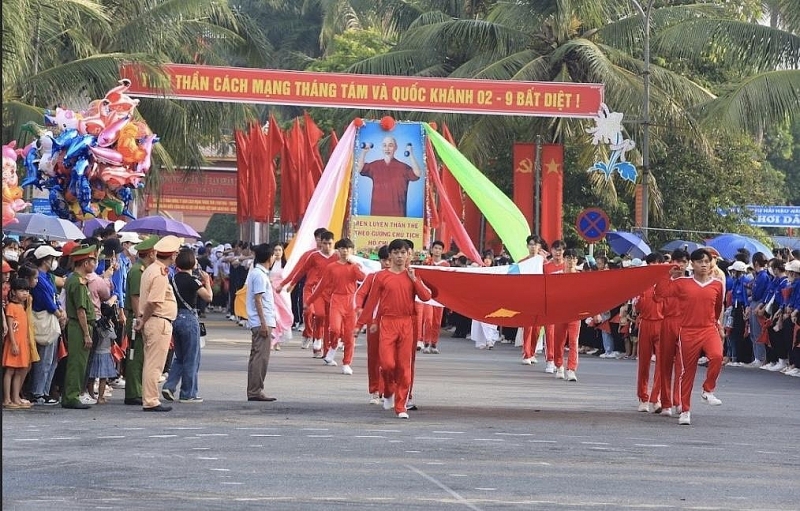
(592, 224)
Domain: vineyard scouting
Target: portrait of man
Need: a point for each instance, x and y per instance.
(392, 174)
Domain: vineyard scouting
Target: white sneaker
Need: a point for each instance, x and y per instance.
(527, 361)
(786, 369)
(592, 351)
(666, 412)
(550, 368)
(605, 355)
(643, 406)
(87, 399)
(346, 369)
(793, 372)
(434, 350)
(560, 373)
(316, 345)
(653, 407)
(163, 378)
(618, 355)
(305, 343)
(388, 403)
(107, 392)
(402, 415)
(780, 364)
(420, 345)
(702, 360)
(711, 399)
(685, 419)
(571, 376)
(653, 358)
(426, 350)
(755, 364)
(330, 358)
(375, 399)
(119, 383)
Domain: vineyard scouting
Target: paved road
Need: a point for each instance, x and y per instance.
(490, 434)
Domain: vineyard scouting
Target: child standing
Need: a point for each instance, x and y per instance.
(102, 365)
(17, 348)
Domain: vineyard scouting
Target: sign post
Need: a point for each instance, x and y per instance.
(592, 225)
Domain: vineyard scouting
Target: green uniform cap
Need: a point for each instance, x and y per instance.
(84, 253)
(148, 244)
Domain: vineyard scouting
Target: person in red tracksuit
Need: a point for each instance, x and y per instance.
(292, 277)
(312, 268)
(669, 363)
(702, 298)
(554, 265)
(374, 378)
(530, 334)
(567, 333)
(432, 314)
(393, 293)
(337, 287)
(651, 317)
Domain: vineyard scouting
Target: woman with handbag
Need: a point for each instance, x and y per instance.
(189, 283)
(48, 319)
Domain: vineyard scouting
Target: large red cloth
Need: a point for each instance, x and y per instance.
(389, 186)
(529, 300)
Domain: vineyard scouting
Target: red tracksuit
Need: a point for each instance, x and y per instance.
(311, 265)
(668, 360)
(374, 377)
(337, 286)
(701, 306)
(651, 318)
(393, 294)
(549, 330)
(431, 322)
(566, 334)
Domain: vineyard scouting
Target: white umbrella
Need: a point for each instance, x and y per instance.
(44, 226)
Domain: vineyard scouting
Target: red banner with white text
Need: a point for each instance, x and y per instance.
(280, 87)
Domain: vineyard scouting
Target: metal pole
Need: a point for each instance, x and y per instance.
(646, 13)
(537, 186)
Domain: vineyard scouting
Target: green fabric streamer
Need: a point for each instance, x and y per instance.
(502, 214)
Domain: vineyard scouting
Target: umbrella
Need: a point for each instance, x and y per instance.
(45, 226)
(627, 243)
(786, 242)
(92, 225)
(689, 246)
(728, 244)
(160, 226)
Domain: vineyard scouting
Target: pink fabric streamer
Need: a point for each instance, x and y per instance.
(283, 309)
(319, 213)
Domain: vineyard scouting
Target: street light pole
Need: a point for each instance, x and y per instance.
(645, 13)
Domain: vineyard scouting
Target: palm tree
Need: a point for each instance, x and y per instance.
(78, 46)
(586, 41)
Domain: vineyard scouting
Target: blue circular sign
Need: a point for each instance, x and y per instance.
(592, 224)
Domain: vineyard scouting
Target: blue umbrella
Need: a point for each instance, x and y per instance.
(627, 243)
(89, 226)
(160, 226)
(786, 242)
(44, 226)
(728, 244)
(689, 246)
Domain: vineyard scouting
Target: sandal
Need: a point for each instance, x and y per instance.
(11, 406)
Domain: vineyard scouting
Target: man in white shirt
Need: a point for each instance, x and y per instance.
(260, 320)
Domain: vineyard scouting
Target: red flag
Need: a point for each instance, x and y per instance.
(552, 192)
(449, 215)
(242, 178)
(452, 190)
(334, 143)
(430, 201)
(301, 186)
(314, 158)
(523, 155)
(262, 191)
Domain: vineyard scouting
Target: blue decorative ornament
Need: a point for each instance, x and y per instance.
(608, 130)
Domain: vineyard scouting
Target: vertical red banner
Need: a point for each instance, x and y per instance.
(243, 211)
(638, 207)
(523, 155)
(552, 192)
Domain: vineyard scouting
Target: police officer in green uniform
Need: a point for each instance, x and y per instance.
(80, 324)
(135, 355)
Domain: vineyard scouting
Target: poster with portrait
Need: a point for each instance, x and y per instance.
(388, 197)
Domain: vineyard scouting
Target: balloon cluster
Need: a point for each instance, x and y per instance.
(91, 161)
(12, 192)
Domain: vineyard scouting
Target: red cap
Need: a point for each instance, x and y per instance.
(713, 251)
(69, 247)
(6, 267)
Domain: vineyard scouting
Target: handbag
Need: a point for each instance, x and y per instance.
(45, 328)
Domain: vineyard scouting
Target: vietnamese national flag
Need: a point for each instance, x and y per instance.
(552, 213)
(314, 158)
(290, 181)
(242, 177)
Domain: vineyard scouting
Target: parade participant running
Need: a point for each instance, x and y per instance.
(374, 378)
(337, 288)
(651, 317)
(554, 265)
(701, 299)
(311, 268)
(667, 358)
(393, 294)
